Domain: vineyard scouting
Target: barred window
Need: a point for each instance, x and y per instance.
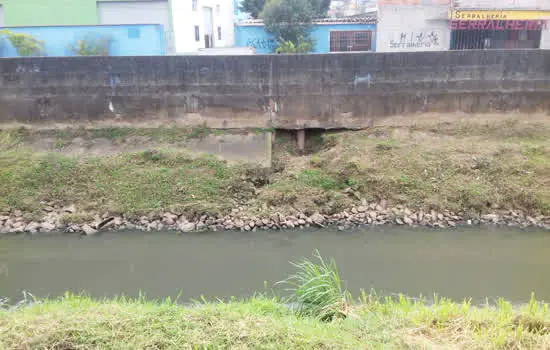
(343, 41)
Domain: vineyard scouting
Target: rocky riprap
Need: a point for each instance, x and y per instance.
(374, 214)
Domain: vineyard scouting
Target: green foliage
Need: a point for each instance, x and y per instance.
(304, 46)
(260, 322)
(134, 183)
(92, 45)
(318, 290)
(320, 7)
(318, 178)
(25, 44)
(289, 20)
(252, 7)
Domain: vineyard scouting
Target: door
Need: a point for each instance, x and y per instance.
(208, 27)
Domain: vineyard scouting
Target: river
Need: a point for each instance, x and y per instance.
(457, 263)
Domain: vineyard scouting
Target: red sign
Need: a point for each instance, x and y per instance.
(499, 25)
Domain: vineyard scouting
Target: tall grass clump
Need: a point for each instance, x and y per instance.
(317, 290)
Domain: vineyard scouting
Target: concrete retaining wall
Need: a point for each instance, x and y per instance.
(283, 91)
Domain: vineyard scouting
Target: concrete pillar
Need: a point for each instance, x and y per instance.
(269, 137)
(301, 138)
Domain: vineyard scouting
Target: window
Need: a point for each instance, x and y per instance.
(197, 34)
(134, 33)
(219, 33)
(194, 5)
(341, 41)
(218, 10)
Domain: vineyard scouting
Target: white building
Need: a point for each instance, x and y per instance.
(200, 24)
(437, 25)
(409, 25)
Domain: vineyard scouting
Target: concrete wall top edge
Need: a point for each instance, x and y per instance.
(294, 56)
(326, 90)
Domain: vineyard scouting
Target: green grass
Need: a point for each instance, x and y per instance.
(317, 290)
(82, 323)
(79, 322)
(133, 183)
(470, 167)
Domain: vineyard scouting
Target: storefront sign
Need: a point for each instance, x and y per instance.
(498, 25)
(498, 15)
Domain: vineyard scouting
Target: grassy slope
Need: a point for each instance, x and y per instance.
(461, 166)
(82, 323)
(128, 183)
(469, 166)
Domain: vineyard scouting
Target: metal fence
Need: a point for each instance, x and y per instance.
(356, 40)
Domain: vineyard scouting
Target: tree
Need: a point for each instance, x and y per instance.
(320, 7)
(252, 7)
(289, 20)
(25, 44)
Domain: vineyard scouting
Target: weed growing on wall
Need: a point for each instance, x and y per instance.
(25, 44)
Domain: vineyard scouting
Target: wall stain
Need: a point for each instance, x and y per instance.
(367, 79)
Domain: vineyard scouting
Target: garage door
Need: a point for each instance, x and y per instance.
(137, 12)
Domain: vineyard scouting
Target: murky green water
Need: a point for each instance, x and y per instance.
(458, 263)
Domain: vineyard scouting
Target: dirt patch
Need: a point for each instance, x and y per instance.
(233, 146)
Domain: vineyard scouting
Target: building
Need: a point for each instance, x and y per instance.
(40, 13)
(200, 24)
(413, 25)
(328, 34)
(502, 24)
(121, 40)
(434, 25)
(188, 24)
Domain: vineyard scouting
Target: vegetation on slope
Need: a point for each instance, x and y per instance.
(464, 166)
(467, 166)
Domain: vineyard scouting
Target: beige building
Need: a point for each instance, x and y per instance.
(435, 25)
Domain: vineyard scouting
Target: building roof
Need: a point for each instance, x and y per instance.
(366, 18)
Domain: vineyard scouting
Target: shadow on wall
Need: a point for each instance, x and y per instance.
(118, 40)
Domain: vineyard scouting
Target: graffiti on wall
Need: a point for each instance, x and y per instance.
(416, 40)
(32, 68)
(261, 43)
(358, 80)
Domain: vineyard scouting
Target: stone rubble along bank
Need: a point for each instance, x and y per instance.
(372, 214)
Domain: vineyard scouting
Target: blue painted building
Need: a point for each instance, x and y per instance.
(328, 34)
(126, 40)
